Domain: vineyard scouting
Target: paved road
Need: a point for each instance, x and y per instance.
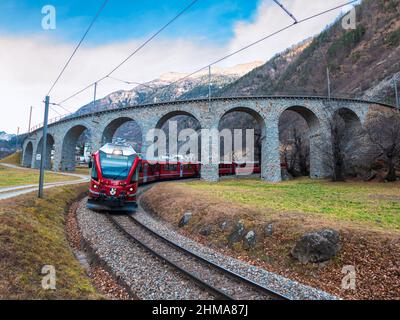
(10, 192)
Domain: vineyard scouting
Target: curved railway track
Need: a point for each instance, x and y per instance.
(219, 281)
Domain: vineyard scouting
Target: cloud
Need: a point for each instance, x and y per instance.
(270, 18)
(29, 64)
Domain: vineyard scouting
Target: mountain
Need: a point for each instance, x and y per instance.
(8, 143)
(363, 62)
(6, 136)
(161, 89)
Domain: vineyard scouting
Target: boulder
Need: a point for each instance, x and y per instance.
(237, 233)
(318, 246)
(205, 231)
(269, 229)
(250, 239)
(185, 219)
(224, 225)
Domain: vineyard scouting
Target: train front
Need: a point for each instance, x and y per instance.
(114, 178)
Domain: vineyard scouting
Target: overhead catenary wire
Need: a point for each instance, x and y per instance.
(134, 52)
(286, 10)
(234, 52)
(258, 41)
(78, 45)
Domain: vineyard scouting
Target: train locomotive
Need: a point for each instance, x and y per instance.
(114, 178)
(117, 171)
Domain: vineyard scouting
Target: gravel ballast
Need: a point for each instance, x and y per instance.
(146, 276)
(291, 289)
(150, 278)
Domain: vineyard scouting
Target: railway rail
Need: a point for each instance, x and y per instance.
(218, 280)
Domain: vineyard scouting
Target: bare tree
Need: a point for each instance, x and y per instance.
(338, 141)
(383, 131)
(295, 152)
(345, 140)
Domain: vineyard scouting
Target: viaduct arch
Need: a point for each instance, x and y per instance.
(102, 125)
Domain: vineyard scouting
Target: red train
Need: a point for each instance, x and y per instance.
(117, 171)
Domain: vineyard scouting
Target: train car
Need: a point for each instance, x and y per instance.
(117, 171)
(154, 170)
(114, 178)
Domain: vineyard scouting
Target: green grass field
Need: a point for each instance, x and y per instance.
(10, 177)
(33, 235)
(14, 158)
(82, 170)
(375, 203)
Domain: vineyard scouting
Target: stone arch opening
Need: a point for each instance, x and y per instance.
(48, 158)
(347, 138)
(247, 130)
(182, 136)
(28, 154)
(300, 143)
(75, 148)
(123, 130)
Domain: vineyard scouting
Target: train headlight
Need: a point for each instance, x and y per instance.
(95, 186)
(130, 189)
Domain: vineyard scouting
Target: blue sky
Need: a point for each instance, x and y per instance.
(125, 19)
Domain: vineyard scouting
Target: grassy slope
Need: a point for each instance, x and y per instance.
(16, 177)
(367, 216)
(32, 235)
(375, 204)
(14, 158)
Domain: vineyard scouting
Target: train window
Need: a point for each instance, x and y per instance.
(115, 167)
(95, 176)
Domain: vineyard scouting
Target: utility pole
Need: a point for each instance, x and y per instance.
(329, 83)
(16, 139)
(94, 97)
(44, 143)
(30, 119)
(396, 95)
(209, 87)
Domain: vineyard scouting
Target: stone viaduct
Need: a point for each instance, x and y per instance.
(317, 111)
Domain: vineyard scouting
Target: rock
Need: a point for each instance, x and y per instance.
(185, 219)
(250, 238)
(205, 231)
(269, 229)
(237, 234)
(224, 225)
(317, 246)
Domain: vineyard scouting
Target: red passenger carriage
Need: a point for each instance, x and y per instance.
(117, 171)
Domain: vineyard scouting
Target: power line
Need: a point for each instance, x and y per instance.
(131, 82)
(135, 51)
(232, 53)
(286, 10)
(258, 41)
(78, 45)
(152, 37)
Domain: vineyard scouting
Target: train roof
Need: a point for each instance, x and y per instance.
(118, 149)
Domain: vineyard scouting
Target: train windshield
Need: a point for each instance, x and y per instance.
(116, 167)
